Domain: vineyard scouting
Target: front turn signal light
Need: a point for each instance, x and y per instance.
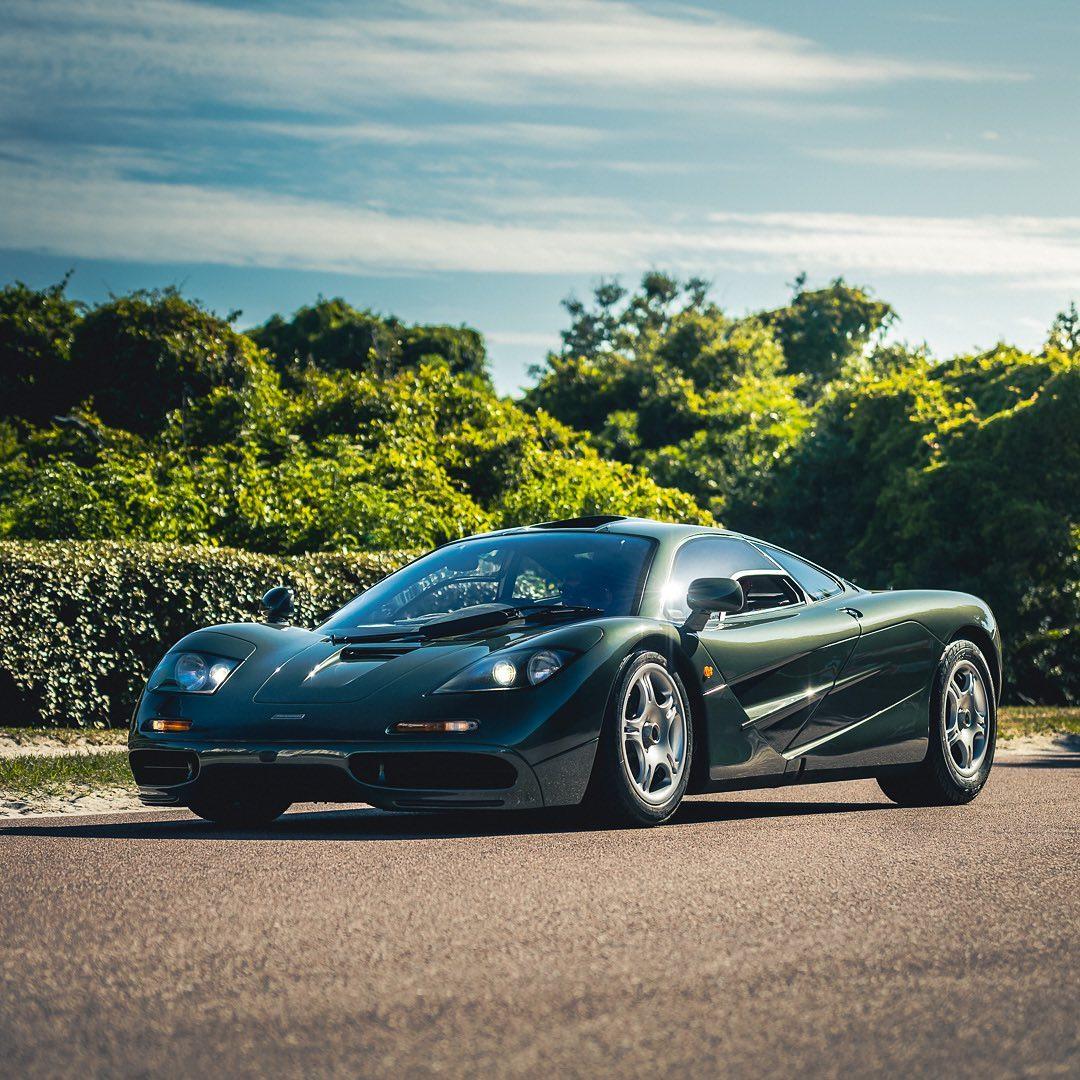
(433, 727)
(170, 725)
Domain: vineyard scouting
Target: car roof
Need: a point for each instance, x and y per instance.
(613, 523)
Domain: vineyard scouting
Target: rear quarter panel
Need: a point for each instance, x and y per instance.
(879, 710)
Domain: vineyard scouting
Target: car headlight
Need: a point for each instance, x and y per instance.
(192, 672)
(509, 671)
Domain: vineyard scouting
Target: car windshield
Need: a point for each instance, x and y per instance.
(589, 570)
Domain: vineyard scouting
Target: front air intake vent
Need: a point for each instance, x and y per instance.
(435, 771)
(375, 652)
(163, 768)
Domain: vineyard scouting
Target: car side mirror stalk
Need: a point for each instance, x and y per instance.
(279, 605)
(712, 596)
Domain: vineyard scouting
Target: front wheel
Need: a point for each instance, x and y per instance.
(963, 729)
(239, 811)
(646, 745)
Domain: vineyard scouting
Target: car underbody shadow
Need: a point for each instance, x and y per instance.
(368, 823)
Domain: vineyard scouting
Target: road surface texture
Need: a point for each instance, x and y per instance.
(812, 931)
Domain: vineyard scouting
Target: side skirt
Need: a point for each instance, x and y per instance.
(795, 778)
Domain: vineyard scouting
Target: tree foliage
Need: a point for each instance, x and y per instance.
(149, 418)
(36, 326)
(211, 439)
(334, 336)
(140, 357)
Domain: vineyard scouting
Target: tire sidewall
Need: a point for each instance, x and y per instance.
(619, 783)
(957, 651)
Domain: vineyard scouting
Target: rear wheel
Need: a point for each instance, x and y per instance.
(239, 811)
(963, 728)
(646, 744)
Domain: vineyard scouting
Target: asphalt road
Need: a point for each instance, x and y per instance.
(814, 929)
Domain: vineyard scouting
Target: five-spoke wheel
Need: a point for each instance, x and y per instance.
(963, 724)
(965, 716)
(654, 733)
(646, 744)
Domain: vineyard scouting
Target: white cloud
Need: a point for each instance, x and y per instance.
(334, 58)
(924, 158)
(1011, 247)
(509, 133)
(96, 213)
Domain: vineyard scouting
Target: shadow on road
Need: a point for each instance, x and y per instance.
(1051, 761)
(372, 824)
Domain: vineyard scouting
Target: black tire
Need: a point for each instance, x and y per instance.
(239, 811)
(938, 779)
(612, 796)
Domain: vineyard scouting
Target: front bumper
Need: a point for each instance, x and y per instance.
(421, 775)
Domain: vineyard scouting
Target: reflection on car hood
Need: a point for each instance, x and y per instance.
(327, 671)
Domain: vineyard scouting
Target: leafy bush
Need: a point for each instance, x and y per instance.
(149, 418)
(332, 335)
(964, 475)
(36, 327)
(84, 623)
(141, 356)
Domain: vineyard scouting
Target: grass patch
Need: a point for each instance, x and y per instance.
(58, 736)
(1017, 720)
(64, 774)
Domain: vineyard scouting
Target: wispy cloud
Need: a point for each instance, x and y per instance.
(922, 158)
(507, 133)
(332, 58)
(111, 216)
(1011, 247)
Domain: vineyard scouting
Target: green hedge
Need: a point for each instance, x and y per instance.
(83, 623)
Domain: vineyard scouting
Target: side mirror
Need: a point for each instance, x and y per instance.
(278, 604)
(709, 596)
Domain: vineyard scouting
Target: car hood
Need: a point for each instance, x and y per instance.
(298, 667)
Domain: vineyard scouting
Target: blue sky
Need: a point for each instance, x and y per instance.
(475, 161)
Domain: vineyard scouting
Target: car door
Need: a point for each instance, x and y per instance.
(780, 656)
(876, 710)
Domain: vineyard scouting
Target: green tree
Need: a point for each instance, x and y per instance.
(963, 475)
(1065, 331)
(36, 327)
(335, 336)
(140, 357)
(824, 330)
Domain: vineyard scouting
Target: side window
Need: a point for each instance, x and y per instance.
(765, 591)
(708, 556)
(816, 583)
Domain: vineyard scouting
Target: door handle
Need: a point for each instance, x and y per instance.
(855, 613)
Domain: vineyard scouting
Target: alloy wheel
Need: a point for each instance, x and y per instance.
(653, 733)
(964, 720)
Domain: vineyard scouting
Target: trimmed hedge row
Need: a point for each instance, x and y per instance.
(83, 623)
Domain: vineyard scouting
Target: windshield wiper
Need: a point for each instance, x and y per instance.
(384, 632)
(465, 621)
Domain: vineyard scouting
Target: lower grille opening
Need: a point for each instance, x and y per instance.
(163, 768)
(297, 782)
(436, 770)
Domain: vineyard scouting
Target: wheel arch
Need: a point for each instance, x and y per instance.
(670, 647)
(978, 636)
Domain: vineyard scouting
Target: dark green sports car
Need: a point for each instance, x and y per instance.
(611, 662)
